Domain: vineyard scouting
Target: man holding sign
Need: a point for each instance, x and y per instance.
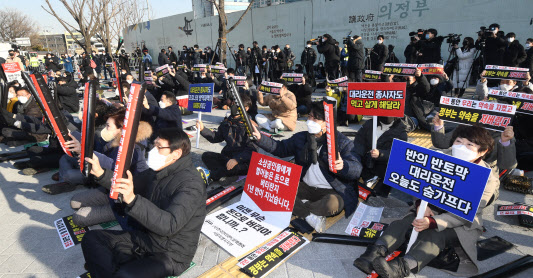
(327, 193)
(482, 90)
(458, 187)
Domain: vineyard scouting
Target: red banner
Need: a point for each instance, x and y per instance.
(119, 86)
(272, 183)
(376, 99)
(330, 134)
(431, 69)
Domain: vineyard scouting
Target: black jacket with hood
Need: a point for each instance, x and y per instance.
(330, 51)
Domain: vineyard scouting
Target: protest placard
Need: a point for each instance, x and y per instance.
(507, 73)
(264, 210)
(447, 182)
(200, 100)
(13, 72)
(199, 68)
(516, 209)
(364, 214)
(372, 75)
(522, 101)
(292, 78)
(376, 99)
(270, 88)
(118, 82)
(265, 259)
(431, 69)
(69, 233)
(218, 69)
(400, 69)
(162, 70)
(339, 82)
(331, 129)
(88, 126)
(239, 80)
(494, 116)
(148, 77)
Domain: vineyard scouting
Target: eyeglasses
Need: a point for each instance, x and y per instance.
(159, 147)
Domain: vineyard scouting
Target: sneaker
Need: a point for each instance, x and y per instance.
(317, 222)
(226, 181)
(33, 171)
(58, 188)
(204, 172)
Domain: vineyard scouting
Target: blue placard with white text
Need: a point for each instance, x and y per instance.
(447, 182)
(201, 97)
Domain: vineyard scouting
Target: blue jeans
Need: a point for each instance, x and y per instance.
(415, 120)
(69, 170)
(302, 109)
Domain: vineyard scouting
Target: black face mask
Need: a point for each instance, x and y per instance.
(234, 111)
(386, 120)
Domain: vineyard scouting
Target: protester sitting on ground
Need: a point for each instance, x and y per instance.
(93, 206)
(167, 114)
(234, 159)
(26, 105)
(482, 91)
(303, 96)
(327, 193)
(171, 214)
(438, 229)
(375, 160)
(524, 136)
(502, 156)
(225, 101)
(440, 85)
(12, 96)
(251, 90)
(283, 106)
(67, 94)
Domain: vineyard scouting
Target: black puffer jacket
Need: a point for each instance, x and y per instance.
(68, 96)
(330, 51)
(238, 145)
(379, 55)
(356, 54)
(171, 210)
(514, 54)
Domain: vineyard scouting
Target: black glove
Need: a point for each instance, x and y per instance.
(8, 117)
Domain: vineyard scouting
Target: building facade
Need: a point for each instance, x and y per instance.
(56, 43)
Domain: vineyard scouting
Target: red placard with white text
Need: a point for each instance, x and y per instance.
(376, 99)
(431, 69)
(330, 134)
(13, 72)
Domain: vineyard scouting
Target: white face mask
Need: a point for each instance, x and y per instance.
(308, 46)
(506, 87)
(11, 95)
(313, 127)
(107, 135)
(129, 81)
(434, 82)
(510, 39)
(23, 99)
(162, 104)
(155, 160)
(380, 41)
(527, 46)
(323, 39)
(462, 152)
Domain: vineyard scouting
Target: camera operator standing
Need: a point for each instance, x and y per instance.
(430, 48)
(356, 60)
(494, 46)
(257, 63)
(279, 62)
(465, 56)
(379, 54)
(308, 60)
(326, 46)
(242, 59)
(514, 54)
(528, 63)
(411, 49)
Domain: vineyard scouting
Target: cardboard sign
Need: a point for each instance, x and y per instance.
(265, 259)
(270, 88)
(400, 69)
(218, 69)
(201, 97)
(68, 232)
(363, 215)
(148, 77)
(490, 115)
(377, 99)
(449, 183)
(372, 75)
(128, 134)
(13, 72)
(162, 70)
(88, 126)
(331, 128)
(199, 68)
(431, 69)
(522, 101)
(239, 80)
(293, 78)
(507, 73)
(339, 82)
(264, 210)
(517, 209)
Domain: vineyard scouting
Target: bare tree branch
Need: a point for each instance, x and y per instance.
(242, 16)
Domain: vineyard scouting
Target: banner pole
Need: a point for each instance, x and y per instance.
(419, 215)
(374, 131)
(198, 131)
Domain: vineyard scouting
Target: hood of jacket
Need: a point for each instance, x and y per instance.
(144, 132)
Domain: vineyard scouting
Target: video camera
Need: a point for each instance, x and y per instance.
(349, 38)
(420, 33)
(453, 38)
(485, 32)
(315, 41)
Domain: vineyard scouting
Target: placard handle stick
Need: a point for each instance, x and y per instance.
(419, 215)
(374, 131)
(198, 131)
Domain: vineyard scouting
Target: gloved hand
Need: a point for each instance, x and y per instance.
(8, 117)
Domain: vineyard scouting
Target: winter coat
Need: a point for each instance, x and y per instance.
(52, 64)
(168, 117)
(283, 108)
(256, 58)
(430, 50)
(379, 54)
(67, 64)
(330, 52)
(410, 53)
(162, 59)
(32, 109)
(308, 57)
(514, 54)
(465, 59)
(196, 59)
(528, 63)
(68, 96)
(86, 66)
(419, 87)
(356, 53)
(435, 92)
(298, 146)
(494, 49)
(172, 57)
(363, 145)
(303, 95)
(238, 144)
(170, 210)
(17, 60)
(280, 63)
(482, 90)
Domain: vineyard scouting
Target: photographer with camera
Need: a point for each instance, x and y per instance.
(491, 44)
(412, 48)
(356, 60)
(379, 54)
(465, 57)
(256, 63)
(326, 46)
(528, 63)
(514, 54)
(429, 52)
(308, 59)
(242, 59)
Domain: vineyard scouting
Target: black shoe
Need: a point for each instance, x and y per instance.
(225, 181)
(58, 188)
(21, 165)
(396, 268)
(364, 262)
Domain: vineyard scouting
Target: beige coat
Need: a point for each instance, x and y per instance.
(283, 108)
(469, 233)
(16, 60)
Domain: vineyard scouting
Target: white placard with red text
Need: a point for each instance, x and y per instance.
(13, 72)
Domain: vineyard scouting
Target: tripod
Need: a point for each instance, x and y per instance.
(368, 61)
(219, 50)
